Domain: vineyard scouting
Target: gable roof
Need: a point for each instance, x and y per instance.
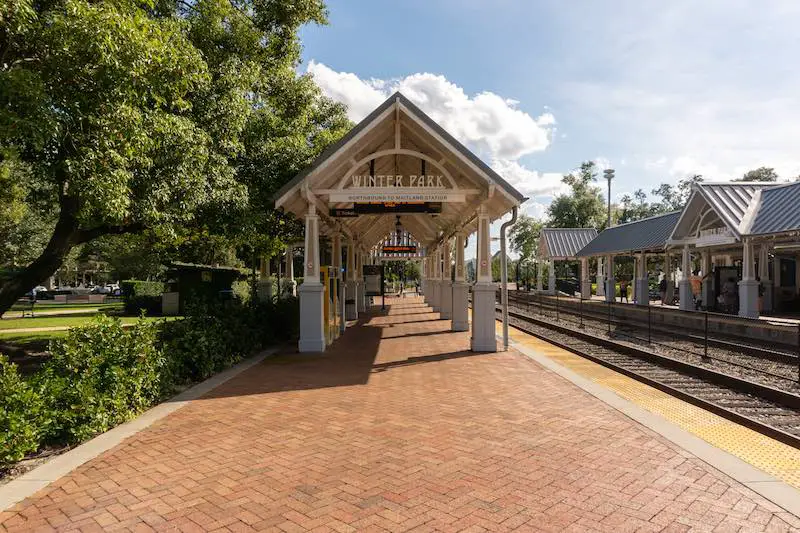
(564, 243)
(731, 201)
(422, 116)
(642, 235)
(778, 210)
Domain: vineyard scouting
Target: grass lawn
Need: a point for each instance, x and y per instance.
(45, 307)
(63, 321)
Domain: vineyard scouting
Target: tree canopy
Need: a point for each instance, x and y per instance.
(121, 116)
(583, 206)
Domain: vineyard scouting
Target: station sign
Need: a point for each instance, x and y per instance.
(399, 249)
(396, 195)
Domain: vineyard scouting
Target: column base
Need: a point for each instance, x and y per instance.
(483, 318)
(312, 332)
(643, 292)
(748, 298)
(586, 289)
(687, 298)
(707, 294)
(766, 300)
(669, 299)
(446, 300)
(551, 286)
(434, 301)
(350, 306)
(460, 316)
(601, 290)
(611, 290)
(361, 299)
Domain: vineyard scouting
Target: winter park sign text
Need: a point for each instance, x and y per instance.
(397, 188)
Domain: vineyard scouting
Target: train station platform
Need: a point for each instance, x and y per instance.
(398, 426)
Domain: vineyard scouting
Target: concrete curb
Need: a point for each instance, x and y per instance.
(760, 482)
(29, 483)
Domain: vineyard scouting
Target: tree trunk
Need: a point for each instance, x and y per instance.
(51, 259)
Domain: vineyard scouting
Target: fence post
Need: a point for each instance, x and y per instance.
(541, 305)
(580, 312)
(609, 318)
(705, 343)
(798, 352)
(649, 325)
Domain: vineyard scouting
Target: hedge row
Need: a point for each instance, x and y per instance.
(102, 374)
(141, 295)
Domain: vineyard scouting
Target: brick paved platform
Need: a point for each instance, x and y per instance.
(397, 427)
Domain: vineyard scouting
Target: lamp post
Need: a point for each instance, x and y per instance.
(609, 174)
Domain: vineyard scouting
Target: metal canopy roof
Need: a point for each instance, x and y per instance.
(564, 243)
(778, 210)
(648, 234)
(398, 138)
(745, 209)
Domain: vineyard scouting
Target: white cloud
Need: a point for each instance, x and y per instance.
(489, 124)
(529, 182)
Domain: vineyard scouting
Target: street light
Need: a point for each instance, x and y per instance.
(609, 174)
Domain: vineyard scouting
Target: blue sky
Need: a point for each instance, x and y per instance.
(657, 90)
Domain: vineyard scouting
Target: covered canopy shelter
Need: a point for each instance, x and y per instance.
(739, 229)
(399, 162)
(640, 238)
(562, 244)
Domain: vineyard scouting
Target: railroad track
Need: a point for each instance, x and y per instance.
(782, 355)
(765, 409)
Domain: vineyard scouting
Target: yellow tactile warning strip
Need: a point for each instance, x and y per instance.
(773, 457)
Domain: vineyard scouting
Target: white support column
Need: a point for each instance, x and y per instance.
(291, 285)
(685, 286)
(539, 276)
(483, 293)
(586, 286)
(642, 281)
(423, 278)
(337, 269)
(707, 286)
(766, 282)
(551, 276)
(748, 287)
(436, 270)
(611, 282)
(460, 320)
(446, 285)
(361, 299)
(601, 280)
(312, 333)
(668, 276)
(351, 288)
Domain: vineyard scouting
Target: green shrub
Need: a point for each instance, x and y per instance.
(22, 415)
(141, 295)
(101, 375)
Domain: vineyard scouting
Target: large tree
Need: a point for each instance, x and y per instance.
(760, 174)
(524, 236)
(583, 206)
(155, 114)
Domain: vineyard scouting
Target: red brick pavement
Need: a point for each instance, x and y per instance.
(397, 428)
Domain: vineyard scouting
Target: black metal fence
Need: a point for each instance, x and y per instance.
(739, 344)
